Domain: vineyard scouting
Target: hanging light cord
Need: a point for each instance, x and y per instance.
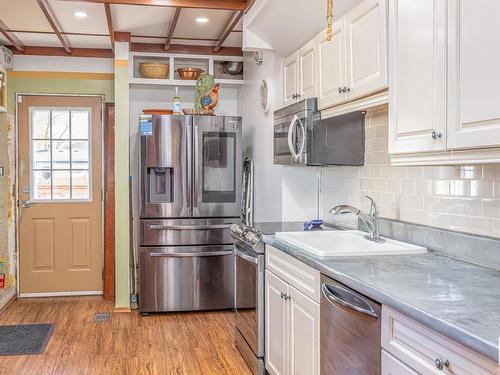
(329, 20)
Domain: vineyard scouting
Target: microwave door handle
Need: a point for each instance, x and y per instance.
(291, 146)
(303, 141)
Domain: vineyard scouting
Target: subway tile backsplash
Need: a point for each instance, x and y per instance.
(463, 198)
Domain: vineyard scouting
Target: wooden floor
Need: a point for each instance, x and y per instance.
(188, 343)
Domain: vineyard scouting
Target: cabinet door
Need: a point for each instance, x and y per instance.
(290, 78)
(331, 67)
(392, 366)
(304, 334)
(474, 74)
(276, 325)
(366, 49)
(417, 77)
(307, 70)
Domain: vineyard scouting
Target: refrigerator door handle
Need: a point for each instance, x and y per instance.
(190, 254)
(189, 169)
(189, 227)
(196, 153)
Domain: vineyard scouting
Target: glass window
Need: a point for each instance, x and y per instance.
(60, 154)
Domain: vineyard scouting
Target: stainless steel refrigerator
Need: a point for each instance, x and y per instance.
(190, 195)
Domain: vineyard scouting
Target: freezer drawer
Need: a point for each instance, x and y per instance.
(186, 278)
(182, 232)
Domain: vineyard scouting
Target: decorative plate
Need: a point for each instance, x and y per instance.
(264, 96)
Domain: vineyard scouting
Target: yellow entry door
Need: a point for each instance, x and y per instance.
(60, 199)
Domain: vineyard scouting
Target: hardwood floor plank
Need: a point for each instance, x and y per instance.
(128, 344)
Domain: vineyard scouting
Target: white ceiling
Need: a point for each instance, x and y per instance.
(27, 20)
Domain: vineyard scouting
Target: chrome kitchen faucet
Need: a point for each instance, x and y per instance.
(371, 220)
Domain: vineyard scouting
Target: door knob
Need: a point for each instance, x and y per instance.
(436, 135)
(27, 204)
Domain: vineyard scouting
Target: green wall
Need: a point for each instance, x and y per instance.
(49, 85)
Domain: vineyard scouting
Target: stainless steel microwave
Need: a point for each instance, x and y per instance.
(302, 137)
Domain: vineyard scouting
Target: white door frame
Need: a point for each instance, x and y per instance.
(16, 197)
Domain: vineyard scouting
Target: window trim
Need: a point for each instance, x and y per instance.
(90, 161)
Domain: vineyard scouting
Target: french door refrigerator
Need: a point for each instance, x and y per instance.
(190, 195)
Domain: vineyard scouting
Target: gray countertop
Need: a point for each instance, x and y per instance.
(458, 299)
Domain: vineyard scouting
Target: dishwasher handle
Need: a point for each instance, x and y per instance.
(189, 226)
(344, 297)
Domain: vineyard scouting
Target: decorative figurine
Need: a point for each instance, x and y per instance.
(206, 94)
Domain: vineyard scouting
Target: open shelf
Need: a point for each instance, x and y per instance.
(209, 64)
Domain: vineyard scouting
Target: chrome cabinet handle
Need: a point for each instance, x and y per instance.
(285, 296)
(436, 135)
(282, 295)
(340, 90)
(441, 363)
(347, 89)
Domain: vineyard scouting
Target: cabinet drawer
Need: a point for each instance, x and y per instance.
(392, 366)
(299, 275)
(419, 347)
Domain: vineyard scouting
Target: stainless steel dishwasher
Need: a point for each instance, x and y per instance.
(350, 331)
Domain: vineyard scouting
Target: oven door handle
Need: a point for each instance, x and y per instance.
(331, 293)
(190, 254)
(244, 256)
(291, 146)
(188, 227)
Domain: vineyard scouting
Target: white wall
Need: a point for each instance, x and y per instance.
(258, 133)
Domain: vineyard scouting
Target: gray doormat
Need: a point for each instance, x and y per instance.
(24, 339)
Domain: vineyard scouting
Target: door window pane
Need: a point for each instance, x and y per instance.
(80, 184)
(41, 154)
(80, 124)
(41, 124)
(60, 154)
(61, 185)
(219, 169)
(41, 185)
(80, 154)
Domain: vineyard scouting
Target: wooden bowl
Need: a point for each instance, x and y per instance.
(154, 70)
(189, 73)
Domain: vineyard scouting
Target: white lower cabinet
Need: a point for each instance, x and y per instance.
(292, 328)
(392, 366)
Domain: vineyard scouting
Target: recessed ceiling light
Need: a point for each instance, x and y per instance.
(80, 14)
(202, 19)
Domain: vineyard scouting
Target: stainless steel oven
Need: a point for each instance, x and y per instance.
(302, 137)
(249, 306)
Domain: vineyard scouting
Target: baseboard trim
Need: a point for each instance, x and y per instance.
(7, 297)
(122, 310)
(61, 294)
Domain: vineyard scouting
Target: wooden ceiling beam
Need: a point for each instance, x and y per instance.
(171, 28)
(203, 4)
(185, 49)
(233, 21)
(44, 6)
(12, 38)
(109, 20)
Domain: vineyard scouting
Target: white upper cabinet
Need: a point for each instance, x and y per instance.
(331, 67)
(307, 70)
(366, 49)
(290, 79)
(473, 74)
(417, 76)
